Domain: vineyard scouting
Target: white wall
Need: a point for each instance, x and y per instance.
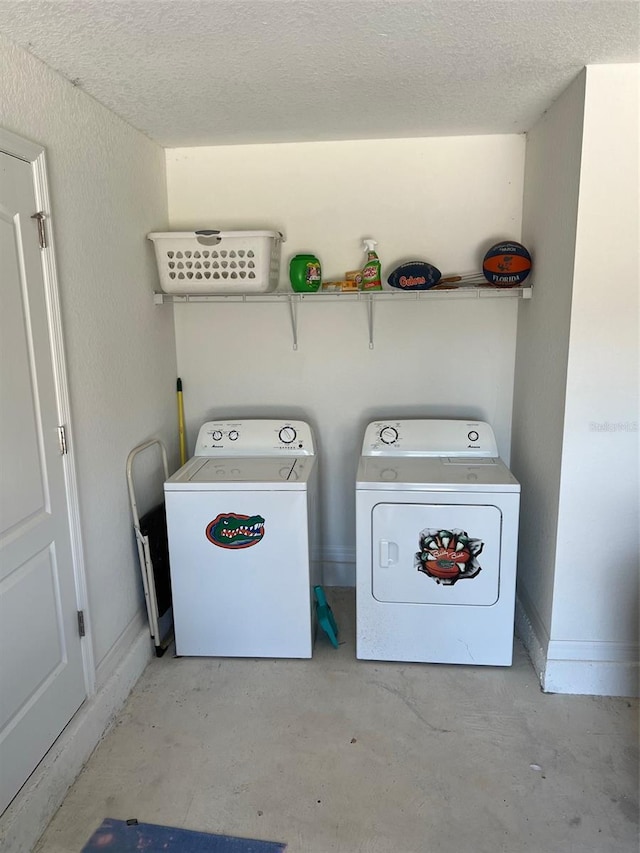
(579, 574)
(107, 184)
(443, 200)
(598, 510)
(551, 188)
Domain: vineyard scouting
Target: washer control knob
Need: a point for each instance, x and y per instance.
(473, 435)
(287, 435)
(234, 435)
(216, 435)
(389, 435)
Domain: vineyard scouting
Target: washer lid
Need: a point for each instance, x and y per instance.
(435, 473)
(243, 473)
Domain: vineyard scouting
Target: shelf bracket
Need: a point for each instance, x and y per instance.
(293, 309)
(370, 319)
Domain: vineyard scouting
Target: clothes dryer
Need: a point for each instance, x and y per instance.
(436, 542)
(241, 521)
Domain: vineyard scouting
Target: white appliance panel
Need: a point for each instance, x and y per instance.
(243, 470)
(246, 600)
(461, 573)
(434, 473)
(417, 478)
(429, 437)
(240, 473)
(431, 633)
(255, 437)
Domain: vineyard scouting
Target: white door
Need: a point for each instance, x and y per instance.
(436, 553)
(41, 671)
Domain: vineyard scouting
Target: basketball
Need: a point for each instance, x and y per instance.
(506, 264)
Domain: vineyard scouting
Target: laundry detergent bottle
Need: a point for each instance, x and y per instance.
(305, 273)
(371, 271)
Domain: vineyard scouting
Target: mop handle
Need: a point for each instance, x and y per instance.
(181, 436)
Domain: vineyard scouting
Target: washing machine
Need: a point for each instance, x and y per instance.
(436, 540)
(242, 522)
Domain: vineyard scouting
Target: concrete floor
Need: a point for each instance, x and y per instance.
(335, 754)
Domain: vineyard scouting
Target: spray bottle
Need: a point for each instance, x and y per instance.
(371, 270)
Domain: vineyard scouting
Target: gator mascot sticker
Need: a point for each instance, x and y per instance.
(448, 556)
(230, 530)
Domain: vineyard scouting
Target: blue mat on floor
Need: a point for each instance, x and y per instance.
(121, 836)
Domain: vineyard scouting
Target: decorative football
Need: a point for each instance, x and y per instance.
(414, 275)
(507, 264)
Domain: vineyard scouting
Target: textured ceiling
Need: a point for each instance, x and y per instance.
(210, 72)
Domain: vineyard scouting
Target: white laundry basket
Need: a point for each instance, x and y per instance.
(218, 261)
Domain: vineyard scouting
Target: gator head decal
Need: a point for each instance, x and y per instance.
(230, 530)
(448, 556)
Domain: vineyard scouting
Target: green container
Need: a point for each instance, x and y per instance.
(305, 273)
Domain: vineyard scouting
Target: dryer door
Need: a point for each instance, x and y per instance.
(436, 553)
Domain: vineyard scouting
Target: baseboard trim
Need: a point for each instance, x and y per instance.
(118, 651)
(27, 817)
(339, 574)
(590, 668)
(338, 566)
(533, 634)
(337, 555)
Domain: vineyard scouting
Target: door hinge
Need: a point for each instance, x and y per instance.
(62, 440)
(42, 234)
(81, 630)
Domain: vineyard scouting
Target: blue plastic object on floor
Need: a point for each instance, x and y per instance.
(129, 836)
(325, 616)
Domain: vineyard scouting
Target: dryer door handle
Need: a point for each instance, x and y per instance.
(388, 554)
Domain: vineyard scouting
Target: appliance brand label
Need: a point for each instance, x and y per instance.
(233, 531)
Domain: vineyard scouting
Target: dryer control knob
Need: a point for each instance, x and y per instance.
(389, 435)
(234, 435)
(473, 435)
(216, 435)
(287, 435)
